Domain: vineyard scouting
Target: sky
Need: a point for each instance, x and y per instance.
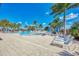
(26, 13)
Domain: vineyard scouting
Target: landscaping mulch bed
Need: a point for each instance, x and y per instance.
(77, 38)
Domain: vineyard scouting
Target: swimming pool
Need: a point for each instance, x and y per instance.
(25, 33)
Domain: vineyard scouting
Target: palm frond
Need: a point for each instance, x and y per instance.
(73, 5)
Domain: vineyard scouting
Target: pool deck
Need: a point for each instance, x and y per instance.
(33, 45)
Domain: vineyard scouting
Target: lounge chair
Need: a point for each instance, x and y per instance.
(63, 42)
(57, 41)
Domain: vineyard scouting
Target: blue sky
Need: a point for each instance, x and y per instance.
(28, 12)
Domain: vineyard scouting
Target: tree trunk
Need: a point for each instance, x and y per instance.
(64, 23)
(59, 29)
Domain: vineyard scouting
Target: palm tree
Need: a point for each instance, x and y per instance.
(32, 28)
(46, 28)
(54, 24)
(34, 22)
(75, 28)
(5, 24)
(18, 25)
(14, 26)
(59, 25)
(40, 26)
(59, 8)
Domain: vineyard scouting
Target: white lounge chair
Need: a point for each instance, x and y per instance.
(64, 42)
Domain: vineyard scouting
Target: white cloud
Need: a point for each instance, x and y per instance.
(44, 23)
(47, 13)
(19, 22)
(70, 16)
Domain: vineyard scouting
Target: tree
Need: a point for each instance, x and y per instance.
(5, 24)
(59, 8)
(34, 22)
(60, 24)
(56, 24)
(32, 28)
(46, 28)
(40, 26)
(75, 28)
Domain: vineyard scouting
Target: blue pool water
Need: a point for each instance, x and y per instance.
(25, 33)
